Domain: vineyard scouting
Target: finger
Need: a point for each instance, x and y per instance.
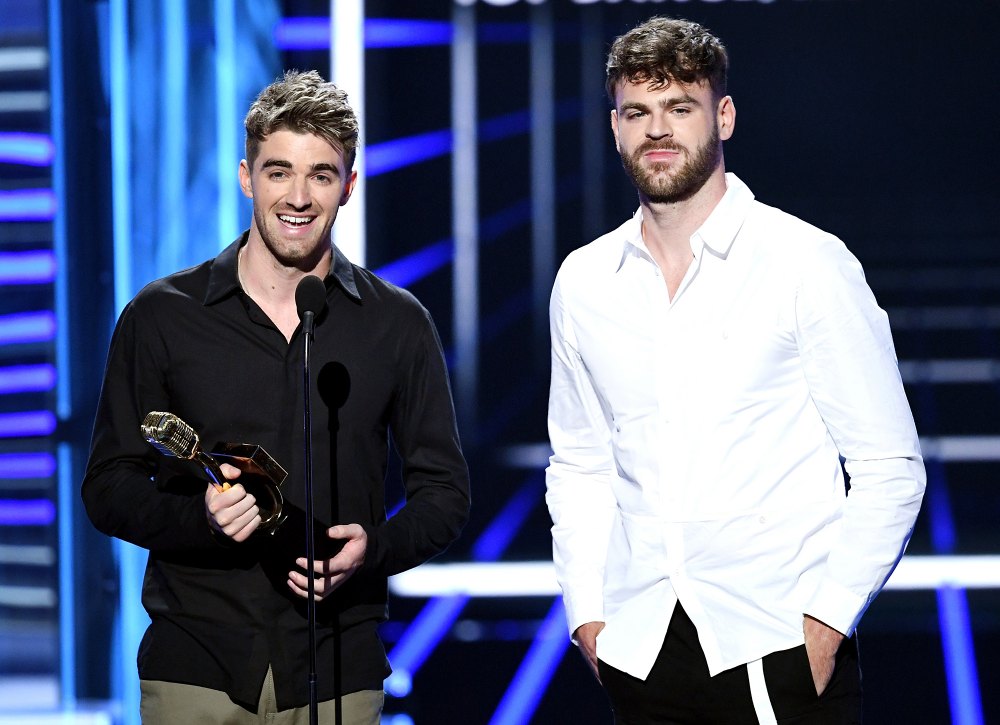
(233, 503)
(250, 518)
(337, 532)
(237, 515)
(322, 588)
(229, 506)
(244, 533)
(324, 567)
(345, 531)
(229, 471)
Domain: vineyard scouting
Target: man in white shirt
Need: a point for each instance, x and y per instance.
(713, 360)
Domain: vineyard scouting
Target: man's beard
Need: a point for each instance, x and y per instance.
(685, 182)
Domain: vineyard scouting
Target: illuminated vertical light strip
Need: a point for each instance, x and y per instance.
(543, 177)
(120, 150)
(65, 489)
(173, 146)
(227, 150)
(465, 216)
(532, 677)
(595, 131)
(129, 624)
(67, 577)
(347, 70)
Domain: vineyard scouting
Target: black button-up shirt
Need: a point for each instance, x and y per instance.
(195, 345)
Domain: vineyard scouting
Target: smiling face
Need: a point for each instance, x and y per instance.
(670, 137)
(298, 183)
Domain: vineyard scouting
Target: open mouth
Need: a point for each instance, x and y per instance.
(295, 221)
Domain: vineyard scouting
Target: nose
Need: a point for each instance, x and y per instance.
(298, 196)
(658, 127)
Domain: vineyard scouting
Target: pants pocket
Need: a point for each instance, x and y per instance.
(789, 682)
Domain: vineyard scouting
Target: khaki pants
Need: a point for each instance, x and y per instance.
(171, 703)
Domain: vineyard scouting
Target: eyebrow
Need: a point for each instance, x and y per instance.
(282, 163)
(664, 103)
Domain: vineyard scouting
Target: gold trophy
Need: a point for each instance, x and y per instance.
(260, 474)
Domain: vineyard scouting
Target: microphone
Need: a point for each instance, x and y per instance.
(310, 299)
(173, 437)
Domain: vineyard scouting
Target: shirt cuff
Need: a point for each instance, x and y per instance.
(582, 609)
(837, 607)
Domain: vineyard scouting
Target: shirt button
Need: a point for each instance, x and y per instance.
(763, 519)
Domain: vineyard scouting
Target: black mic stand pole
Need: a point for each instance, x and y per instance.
(308, 318)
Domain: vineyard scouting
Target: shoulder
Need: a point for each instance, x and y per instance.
(385, 298)
(596, 261)
(177, 290)
(792, 241)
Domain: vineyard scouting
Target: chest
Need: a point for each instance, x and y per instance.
(243, 381)
(727, 335)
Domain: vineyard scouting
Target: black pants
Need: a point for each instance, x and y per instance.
(679, 691)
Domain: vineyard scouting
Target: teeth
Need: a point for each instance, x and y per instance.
(294, 219)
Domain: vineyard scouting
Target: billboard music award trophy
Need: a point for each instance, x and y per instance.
(260, 474)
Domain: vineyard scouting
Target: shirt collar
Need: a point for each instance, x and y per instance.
(224, 280)
(342, 273)
(717, 232)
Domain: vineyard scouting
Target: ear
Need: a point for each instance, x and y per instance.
(614, 128)
(349, 187)
(726, 118)
(245, 184)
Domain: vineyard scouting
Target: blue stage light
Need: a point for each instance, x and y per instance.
(30, 149)
(532, 677)
(390, 155)
(35, 267)
(28, 424)
(419, 264)
(26, 327)
(26, 465)
(27, 205)
(313, 33)
(959, 657)
(34, 512)
(27, 378)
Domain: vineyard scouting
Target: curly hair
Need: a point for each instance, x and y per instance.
(662, 50)
(303, 103)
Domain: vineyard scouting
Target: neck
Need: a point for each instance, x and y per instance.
(267, 281)
(667, 227)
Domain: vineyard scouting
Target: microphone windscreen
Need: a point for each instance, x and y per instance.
(310, 295)
(169, 434)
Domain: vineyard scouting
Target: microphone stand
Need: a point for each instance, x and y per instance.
(308, 319)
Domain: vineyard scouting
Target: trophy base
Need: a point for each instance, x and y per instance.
(260, 475)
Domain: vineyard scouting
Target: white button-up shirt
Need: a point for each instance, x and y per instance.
(698, 441)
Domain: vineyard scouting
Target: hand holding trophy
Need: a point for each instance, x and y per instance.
(260, 474)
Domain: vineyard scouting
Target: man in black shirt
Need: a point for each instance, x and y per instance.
(219, 345)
